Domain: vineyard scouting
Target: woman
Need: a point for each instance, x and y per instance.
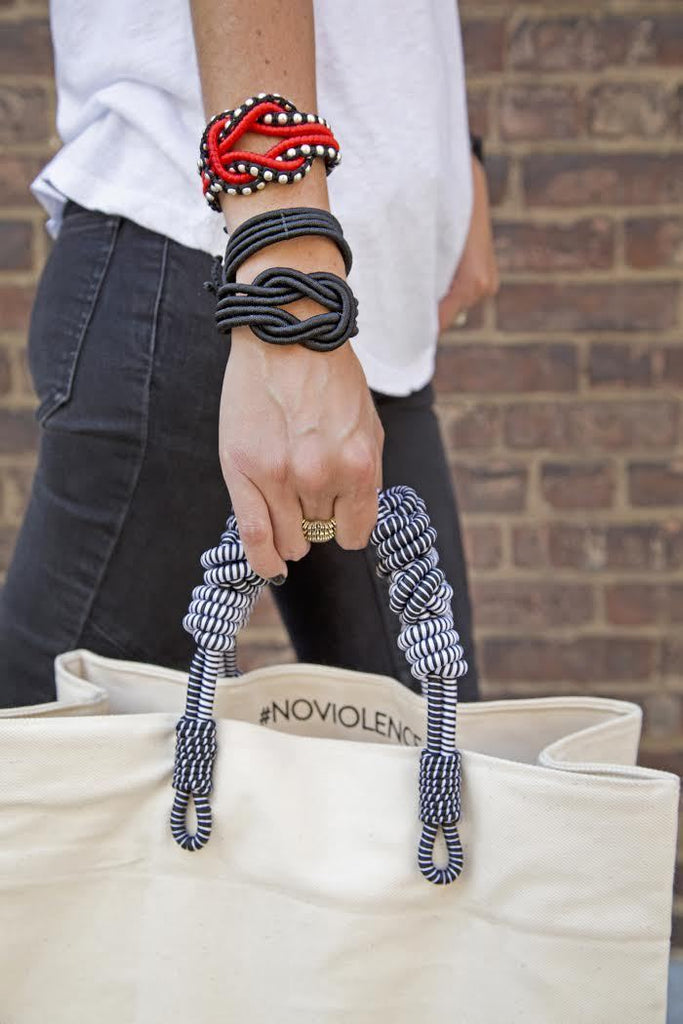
(128, 365)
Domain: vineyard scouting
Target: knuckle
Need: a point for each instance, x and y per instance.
(311, 474)
(254, 532)
(297, 551)
(359, 464)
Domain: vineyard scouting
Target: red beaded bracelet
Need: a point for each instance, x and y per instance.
(302, 137)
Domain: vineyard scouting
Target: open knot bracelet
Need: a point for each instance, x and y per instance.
(301, 138)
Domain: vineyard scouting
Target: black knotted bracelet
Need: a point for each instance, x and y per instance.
(257, 305)
(273, 226)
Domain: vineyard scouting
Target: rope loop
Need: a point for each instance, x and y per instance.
(218, 610)
(419, 594)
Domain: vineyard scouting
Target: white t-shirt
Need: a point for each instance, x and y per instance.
(391, 84)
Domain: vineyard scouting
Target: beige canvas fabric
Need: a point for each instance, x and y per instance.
(306, 906)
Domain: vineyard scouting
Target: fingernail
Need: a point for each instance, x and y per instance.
(277, 581)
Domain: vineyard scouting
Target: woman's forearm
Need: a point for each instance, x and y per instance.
(244, 48)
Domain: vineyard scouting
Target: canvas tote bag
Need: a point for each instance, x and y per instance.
(295, 882)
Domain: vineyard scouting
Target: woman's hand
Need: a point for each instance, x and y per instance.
(477, 275)
(299, 433)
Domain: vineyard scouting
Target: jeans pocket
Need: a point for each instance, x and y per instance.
(65, 301)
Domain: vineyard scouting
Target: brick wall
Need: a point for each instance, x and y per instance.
(561, 401)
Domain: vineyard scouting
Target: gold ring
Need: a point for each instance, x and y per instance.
(318, 531)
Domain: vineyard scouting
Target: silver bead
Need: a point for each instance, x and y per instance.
(331, 152)
(297, 118)
(268, 175)
(232, 191)
(241, 168)
(282, 118)
(253, 171)
(298, 176)
(248, 103)
(260, 184)
(283, 179)
(310, 118)
(337, 159)
(306, 148)
(291, 153)
(246, 191)
(320, 150)
(237, 112)
(268, 119)
(261, 95)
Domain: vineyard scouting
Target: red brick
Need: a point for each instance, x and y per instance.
(5, 371)
(586, 244)
(24, 114)
(478, 102)
(617, 364)
(483, 545)
(673, 602)
(539, 112)
(673, 366)
(663, 715)
(619, 109)
(603, 179)
(653, 242)
(493, 487)
(622, 547)
(16, 174)
(586, 659)
(588, 307)
(474, 426)
(656, 483)
(15, 307)
(18, 432)
(507, 368)
(571, 42)
(16, 245)
(497, 176)
(25, 47)
(648, 40)
(530, 546)
(578, 485)
(672, 657)
(534, 604)
(633, 604)
(599, 425)
(536, 425)
(483, 41)
(557, 44)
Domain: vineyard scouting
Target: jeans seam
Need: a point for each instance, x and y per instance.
(61, 392)
(87, 611)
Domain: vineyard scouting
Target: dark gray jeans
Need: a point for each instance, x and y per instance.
(128, 491)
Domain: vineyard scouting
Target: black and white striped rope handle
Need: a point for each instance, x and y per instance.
(419, 594)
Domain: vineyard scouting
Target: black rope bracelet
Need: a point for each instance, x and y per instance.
(277, 226)
(273, 226)
(256, 305)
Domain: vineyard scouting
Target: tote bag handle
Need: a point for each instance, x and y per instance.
(403, 539)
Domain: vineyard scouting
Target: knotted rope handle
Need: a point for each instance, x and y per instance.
(418, 593)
